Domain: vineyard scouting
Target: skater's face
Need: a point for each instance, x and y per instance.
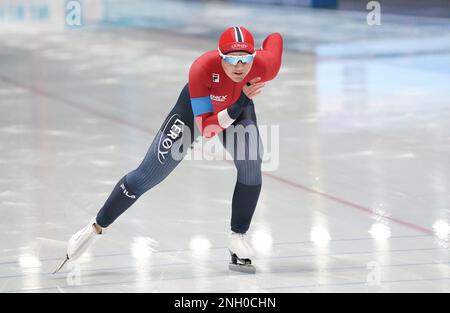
(237, 72)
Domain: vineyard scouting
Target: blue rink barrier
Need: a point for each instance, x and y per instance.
(320, 4)
(325, 33)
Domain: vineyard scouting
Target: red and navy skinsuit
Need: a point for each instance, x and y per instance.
(196, 113)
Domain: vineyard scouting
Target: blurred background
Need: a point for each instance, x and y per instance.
(362, 184)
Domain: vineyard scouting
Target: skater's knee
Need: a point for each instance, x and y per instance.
(148, 175)
(249, 172)
(134, 180)
(138, 180)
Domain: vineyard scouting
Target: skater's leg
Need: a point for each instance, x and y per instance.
(170, 145)
(243, 142)
(166, 151)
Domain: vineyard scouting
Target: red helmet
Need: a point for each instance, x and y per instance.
(236, 39)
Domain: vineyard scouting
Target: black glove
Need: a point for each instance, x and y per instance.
(236, 108)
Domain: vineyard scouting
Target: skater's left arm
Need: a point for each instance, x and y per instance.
(270, 55)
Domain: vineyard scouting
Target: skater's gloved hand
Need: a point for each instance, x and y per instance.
(236, 108)
(253, 87)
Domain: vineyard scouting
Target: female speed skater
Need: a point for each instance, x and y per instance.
(217, 98)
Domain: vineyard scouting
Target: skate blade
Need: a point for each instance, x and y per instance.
(247, 269)
(61, 265)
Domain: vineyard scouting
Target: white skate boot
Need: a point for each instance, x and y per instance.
(241, 254)
(80, 242)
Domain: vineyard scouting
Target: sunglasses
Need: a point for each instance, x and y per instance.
(235, 59)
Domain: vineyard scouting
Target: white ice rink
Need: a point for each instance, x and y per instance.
(360, 201)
